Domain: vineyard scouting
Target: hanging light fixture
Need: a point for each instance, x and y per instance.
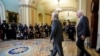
(58, 9)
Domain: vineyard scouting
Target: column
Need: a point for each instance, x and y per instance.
(30, 16)
(35, 15)
(98, 39)
(19, 21)
(21, 14)
(24, 14)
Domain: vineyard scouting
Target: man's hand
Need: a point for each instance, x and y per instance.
(83, 37)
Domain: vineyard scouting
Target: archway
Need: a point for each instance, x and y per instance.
(40, 18)
(2, 11)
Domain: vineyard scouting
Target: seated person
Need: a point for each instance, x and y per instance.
(19, 35)
(31, 34)
(43, 35)
(37, 34)
(25, 34)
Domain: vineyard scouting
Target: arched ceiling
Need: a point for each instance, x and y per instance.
(69, 7)
(50, 5)
(66, 15)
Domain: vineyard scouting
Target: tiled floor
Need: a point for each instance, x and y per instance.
(36, 47)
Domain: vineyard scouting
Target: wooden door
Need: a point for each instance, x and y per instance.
(94, 20)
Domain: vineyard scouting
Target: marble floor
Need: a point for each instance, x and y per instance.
(37, 47)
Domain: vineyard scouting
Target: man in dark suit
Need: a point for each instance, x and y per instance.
(70, 30)
(13, 29)
(56, 35)
(4, 27)
(82, 33)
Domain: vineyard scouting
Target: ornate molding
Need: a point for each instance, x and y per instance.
(69, 9)
(24, 5)
(66, 9)
(47, 14)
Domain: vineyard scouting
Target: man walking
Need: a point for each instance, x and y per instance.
(82, 33)
(56, 35)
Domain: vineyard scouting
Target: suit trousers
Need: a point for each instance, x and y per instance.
(80, 45)
(57, 47)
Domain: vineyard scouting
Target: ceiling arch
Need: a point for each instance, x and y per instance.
(50, 5)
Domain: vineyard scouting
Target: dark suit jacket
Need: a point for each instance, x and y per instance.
(57, 31)
(83, 27)
(4, 26)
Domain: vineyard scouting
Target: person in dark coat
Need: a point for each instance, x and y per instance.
(71, 31)
(25, 31)
(46, 27)
(13, 29)
(4, 27)
(68, 30)
(56, 35)
(82, 33)
(20, 27)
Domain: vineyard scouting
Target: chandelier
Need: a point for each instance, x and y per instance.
(58, 7)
